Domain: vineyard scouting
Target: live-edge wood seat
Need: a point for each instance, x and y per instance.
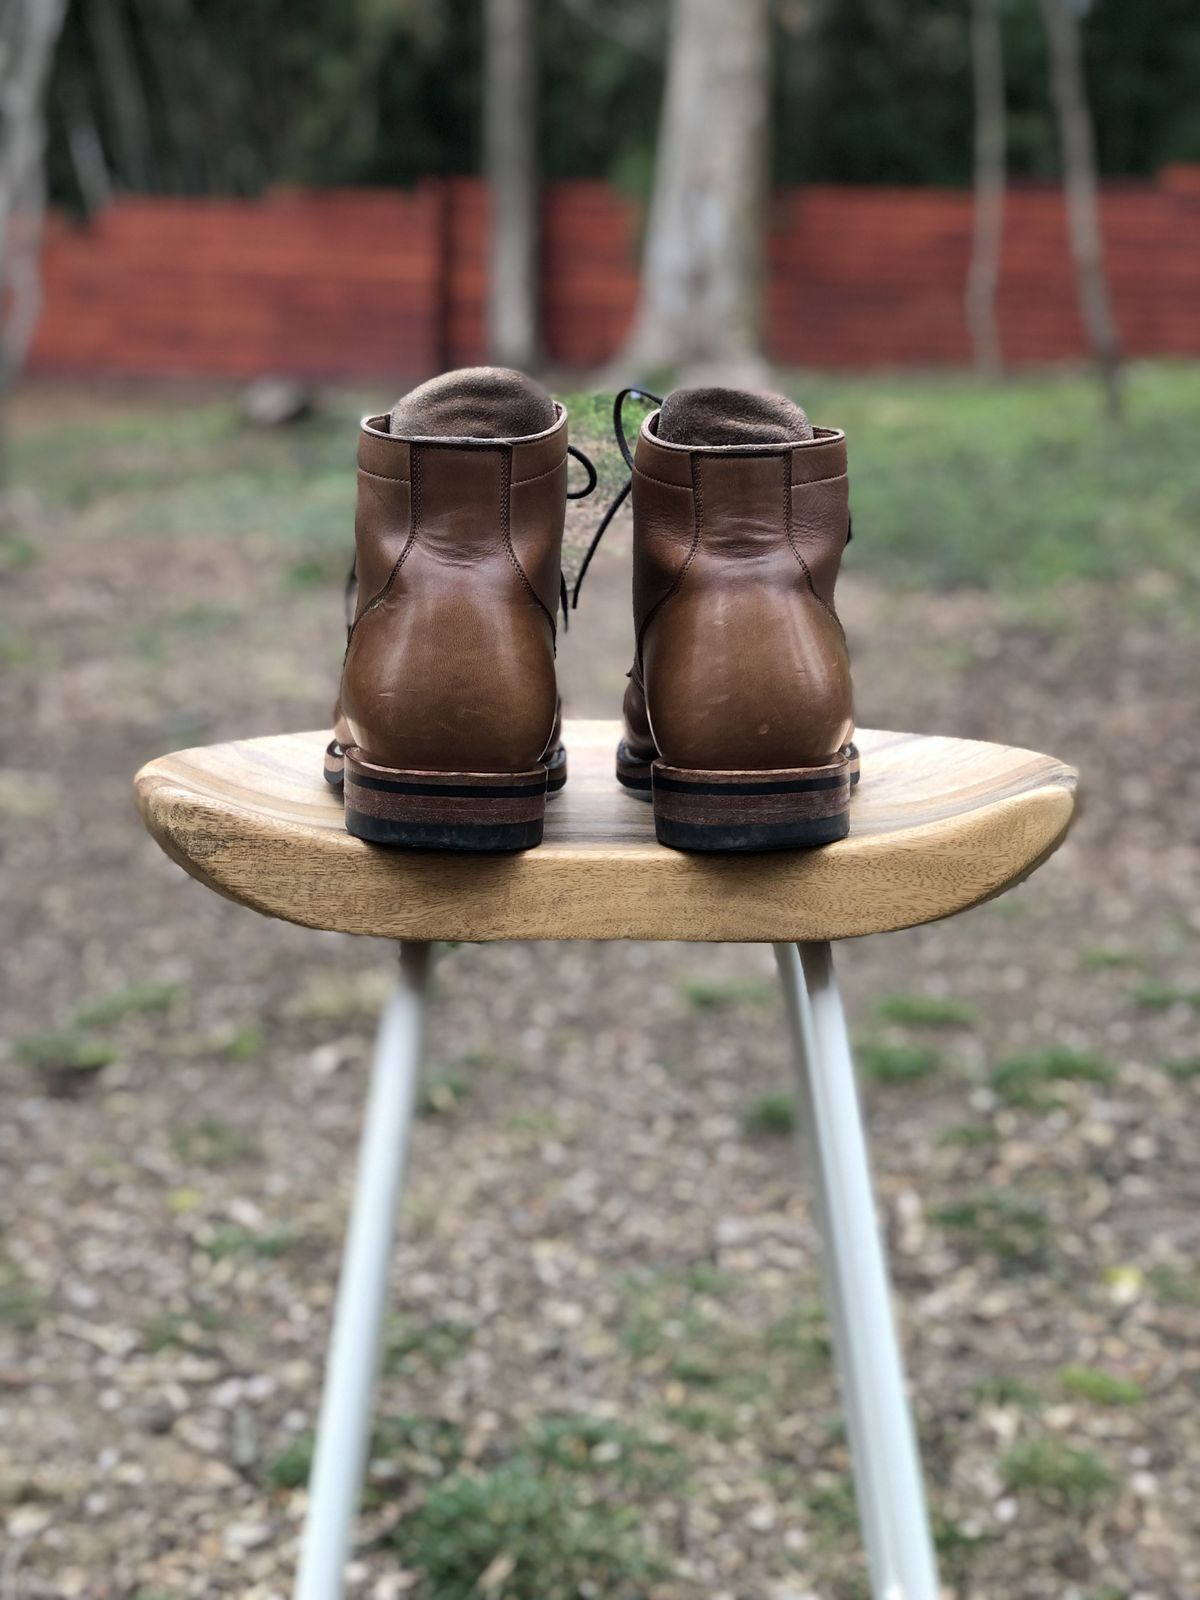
(937, 825)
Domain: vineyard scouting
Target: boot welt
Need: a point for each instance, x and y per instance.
(785, 809)
(471, 811)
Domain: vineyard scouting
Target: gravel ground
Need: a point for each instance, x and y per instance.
(608, 1354)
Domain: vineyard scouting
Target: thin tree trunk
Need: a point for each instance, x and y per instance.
(510, 161)
(168, 30)
(702, 265)
(122, 89)
(87, 154)
(983, 276)
(29, 30)
(1078, 150)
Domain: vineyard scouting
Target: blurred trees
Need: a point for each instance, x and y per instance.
(511, 166)
(228, 97)
(983, 276)
(1077, 150)
(225, 96)
(699, 304)
(29, 30)
(1069, 92)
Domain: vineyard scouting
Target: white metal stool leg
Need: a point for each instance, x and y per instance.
(344, 1429)
(887, 1471)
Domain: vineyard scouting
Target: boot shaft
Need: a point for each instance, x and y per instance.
(741, 659)
(450, 661)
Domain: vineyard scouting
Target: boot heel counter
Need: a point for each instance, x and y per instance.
(451, 688)
(740, 681)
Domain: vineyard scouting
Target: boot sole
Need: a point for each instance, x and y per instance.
(471, 811)
(787, 808)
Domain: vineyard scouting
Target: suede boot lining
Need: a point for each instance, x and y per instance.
(474, 403)
(714, 416)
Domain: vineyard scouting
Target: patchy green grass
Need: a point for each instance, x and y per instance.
(411, 1447)
(707, 1421)
(420, 1447)
(173, 1330)
(884, 1062)
(268, 1244)
(15, 552)
(1151, 994)
(556, 1518)
(25, 650)
(1017, 485)
(1183, 1068)
(138, 1000)
(1175, 1285)
(22, 1306)
(412, 1346)
(589, 1444)
(291, 1468)
(534, 1122)
(1027, 1080)
(926, 1011)
(1103, 1388)
(804, 1333)
(1005, 1390)
(722, 994)
(557, 1510)
(213, 1142)
(969, 1135)
(833, 1509)
(1011, 1227)
(1110, 958)
(519, 1532)
(65, 1058)
(770, 1116)
(703, 1277)
(1057, 1472)
(693, 1334)
(957, 1547)
(441, 1093)
(244, 1042)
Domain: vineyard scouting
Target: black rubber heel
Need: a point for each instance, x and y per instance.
(789, 808)
(462, 811)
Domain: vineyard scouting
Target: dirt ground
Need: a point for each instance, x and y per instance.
(606, 1289)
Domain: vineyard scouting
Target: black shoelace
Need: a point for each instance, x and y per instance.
(622, 494)
(585, 462)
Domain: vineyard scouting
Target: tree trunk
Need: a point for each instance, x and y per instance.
(702, 264)
(983, 276)
(1077, 145)
(121, 87)
(510, 161)
(28, 33)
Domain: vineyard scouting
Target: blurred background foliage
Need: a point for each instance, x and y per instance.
(229, 97)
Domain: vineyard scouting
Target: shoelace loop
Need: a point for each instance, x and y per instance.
(619, 499)
(586, 463)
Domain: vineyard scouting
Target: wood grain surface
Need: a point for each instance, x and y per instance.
(937, 825)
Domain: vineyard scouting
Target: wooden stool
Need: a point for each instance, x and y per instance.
(937, 825)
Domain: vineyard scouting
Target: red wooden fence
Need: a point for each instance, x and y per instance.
(370, 283)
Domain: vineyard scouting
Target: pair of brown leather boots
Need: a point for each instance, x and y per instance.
(738, 714)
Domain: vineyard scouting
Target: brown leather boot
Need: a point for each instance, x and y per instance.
(447, 728)
(739, 713)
